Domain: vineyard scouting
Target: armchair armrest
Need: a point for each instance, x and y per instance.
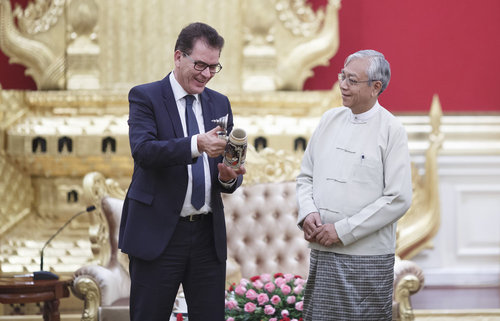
(99, 286)
(408, 280)
(86, 288)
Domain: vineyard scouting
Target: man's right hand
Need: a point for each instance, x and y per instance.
(310, 226)
(211, 143)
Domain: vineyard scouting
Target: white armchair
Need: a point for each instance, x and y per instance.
(262, 237)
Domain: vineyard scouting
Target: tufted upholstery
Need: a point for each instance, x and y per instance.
(262, 238)
(262, 230)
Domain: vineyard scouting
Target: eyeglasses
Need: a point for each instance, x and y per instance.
(200, 65)
(350, 81)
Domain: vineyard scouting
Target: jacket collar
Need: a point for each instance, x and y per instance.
(171, 106)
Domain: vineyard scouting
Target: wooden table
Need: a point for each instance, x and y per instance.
(25, 290)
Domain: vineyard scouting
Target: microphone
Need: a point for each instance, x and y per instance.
(47, 275)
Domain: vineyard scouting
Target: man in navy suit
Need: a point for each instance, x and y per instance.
(173, 228)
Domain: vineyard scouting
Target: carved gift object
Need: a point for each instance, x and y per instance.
(222, 123)
(236, 148)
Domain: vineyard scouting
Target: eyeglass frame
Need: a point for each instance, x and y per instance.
(197, 62)
(352, 82)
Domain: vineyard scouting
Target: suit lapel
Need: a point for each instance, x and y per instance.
(171, 106)
(208, 111)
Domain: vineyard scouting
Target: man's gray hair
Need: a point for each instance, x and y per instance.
(379, 68)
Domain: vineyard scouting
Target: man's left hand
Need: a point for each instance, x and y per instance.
(227, 173)
(327, 235)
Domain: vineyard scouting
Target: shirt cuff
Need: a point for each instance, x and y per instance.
(194, 147)
(344, 232)
(227, 184)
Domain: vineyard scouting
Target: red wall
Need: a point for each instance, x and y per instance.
(451, 48)
(447, 47)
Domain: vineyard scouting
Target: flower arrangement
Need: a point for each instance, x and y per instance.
(266, 298)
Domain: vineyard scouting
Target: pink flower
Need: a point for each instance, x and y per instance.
(258, 284)
(275, 299)
(240, 290)
(251, 294)
(266, 277)
(269, 286)
(262, 298)
(286, 289)
(250, 307)
(231, 304)
(269, 310)
(272, 297)
(280, 281)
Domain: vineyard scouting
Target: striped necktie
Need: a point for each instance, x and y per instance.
(197, 170)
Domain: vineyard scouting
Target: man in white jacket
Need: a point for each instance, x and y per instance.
(354, 184)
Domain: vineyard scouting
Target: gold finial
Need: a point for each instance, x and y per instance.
(435, 115)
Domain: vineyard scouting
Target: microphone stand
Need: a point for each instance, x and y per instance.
(47, 275)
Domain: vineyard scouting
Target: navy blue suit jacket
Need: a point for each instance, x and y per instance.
(161, 154)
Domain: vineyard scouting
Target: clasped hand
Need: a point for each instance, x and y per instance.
(316, 231)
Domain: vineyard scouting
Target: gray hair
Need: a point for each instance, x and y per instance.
(379, 68)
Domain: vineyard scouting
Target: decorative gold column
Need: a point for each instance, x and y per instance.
(82, 52)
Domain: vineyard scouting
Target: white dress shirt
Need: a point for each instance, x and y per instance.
(179, 93)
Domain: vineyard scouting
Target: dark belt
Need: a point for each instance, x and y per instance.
(194, 217)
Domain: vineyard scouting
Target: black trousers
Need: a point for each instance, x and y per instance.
(190, 260)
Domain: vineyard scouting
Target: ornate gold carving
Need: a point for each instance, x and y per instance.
(299, 56)
(86, 289)
(274, 49)
(408, 285)
(419, 225)
(44, 61)
(39, 16)
(95, 187)
(408, 280)
(269, 165)
(278, 54)
(14, 206)
(298, 17)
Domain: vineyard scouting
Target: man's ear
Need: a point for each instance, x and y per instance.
(377, 87)
(177, 57)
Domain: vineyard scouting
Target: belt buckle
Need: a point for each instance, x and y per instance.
(191, 218)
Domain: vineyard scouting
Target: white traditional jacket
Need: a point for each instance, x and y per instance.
(356, 173)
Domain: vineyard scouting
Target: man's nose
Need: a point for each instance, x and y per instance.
(206, 72)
